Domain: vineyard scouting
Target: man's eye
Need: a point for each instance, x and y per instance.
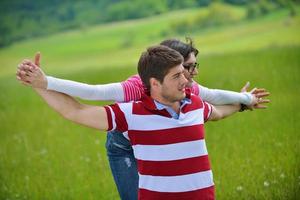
(176, 76)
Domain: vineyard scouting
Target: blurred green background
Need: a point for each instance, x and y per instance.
(255, 155)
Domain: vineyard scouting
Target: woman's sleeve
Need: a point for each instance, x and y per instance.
(103, 92)
(221, 97)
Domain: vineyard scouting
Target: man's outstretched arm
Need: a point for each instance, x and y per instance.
(68, 107)
(220, 112)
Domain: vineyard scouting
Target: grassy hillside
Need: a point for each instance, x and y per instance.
(120, 44)
(255, 155)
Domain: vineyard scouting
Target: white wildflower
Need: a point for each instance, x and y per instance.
(239, 188)
(265, 167)
(282, 175)
(266, 184)
(273, 169)
(279, 144)
(27, 178)
(43, 151)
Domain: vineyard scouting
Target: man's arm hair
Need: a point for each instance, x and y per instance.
(220, 112)
(87, 115)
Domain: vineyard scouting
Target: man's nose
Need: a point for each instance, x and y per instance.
(184, 79)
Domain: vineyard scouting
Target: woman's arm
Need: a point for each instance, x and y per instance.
(104, 92)
(131, 89)
(222, 97)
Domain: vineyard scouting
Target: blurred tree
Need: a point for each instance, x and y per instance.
(203, 2)
(218, 14)
(178, 4)
(21, 19)
(253, 10)
(237, 2)
(134, 9)
(263, 7)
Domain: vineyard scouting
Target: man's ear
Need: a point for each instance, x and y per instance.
(154, 83)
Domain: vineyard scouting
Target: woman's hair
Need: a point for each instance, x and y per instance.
(183, 48)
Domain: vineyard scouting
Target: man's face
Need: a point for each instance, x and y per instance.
(190, 69)
(173, 87)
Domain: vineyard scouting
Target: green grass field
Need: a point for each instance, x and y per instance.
(255, 155)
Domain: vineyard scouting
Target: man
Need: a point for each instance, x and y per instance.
(173, 136)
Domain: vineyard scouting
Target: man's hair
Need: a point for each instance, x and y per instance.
(156, 62)
(185, 49)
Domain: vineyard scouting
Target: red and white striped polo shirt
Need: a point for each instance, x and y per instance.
(171, 153)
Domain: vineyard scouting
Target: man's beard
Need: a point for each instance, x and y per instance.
(172, 99)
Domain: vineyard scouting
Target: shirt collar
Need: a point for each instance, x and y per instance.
(160, 106)
(151, 104)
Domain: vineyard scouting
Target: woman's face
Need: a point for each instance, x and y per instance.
(190, 68)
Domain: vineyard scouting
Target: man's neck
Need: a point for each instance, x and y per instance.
(174, 105)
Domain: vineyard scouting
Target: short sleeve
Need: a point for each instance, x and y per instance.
(207, 109)
(116, 118)
(133, 88)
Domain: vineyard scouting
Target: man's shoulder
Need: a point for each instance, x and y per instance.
(192, 96)
(128, 105)
(195, 97)
(195, 103)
